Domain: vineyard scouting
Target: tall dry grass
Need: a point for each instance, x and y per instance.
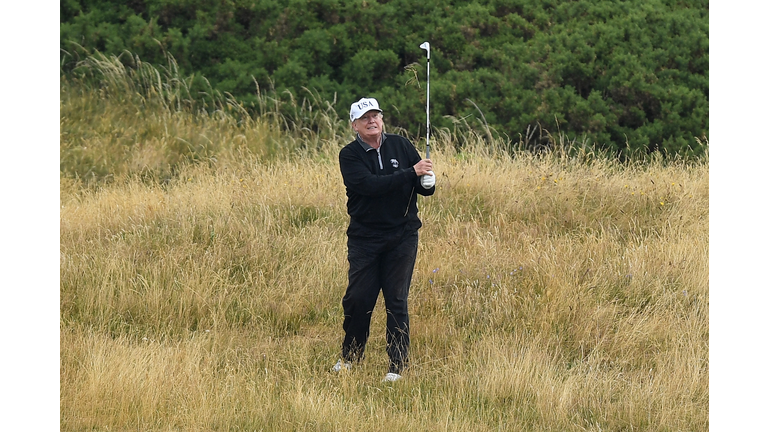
(556, 291)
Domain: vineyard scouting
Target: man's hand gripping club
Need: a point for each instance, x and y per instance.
(424, 170)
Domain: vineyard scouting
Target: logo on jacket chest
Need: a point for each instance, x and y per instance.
(394, 163)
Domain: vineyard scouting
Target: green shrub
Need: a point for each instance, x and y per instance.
(622, 75)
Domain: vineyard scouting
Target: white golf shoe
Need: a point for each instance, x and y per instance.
(341, 365)
(392, 377)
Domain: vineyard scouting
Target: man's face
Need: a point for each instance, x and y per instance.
(369, 125)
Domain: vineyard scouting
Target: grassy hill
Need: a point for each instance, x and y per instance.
(203, 263)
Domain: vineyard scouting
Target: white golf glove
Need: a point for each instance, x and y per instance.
(428, 180)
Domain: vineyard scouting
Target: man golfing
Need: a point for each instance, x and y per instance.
(383, 174)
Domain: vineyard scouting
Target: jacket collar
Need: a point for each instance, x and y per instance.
(365, 145)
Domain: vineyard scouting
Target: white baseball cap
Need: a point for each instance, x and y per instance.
(363, 106)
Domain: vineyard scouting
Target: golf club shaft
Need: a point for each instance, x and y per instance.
(425, 46)
(427, 104)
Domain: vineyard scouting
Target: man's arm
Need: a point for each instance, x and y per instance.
(359, 179)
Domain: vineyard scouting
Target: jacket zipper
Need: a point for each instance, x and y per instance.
(408, 207)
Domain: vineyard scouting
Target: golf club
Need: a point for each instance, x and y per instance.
(425, 46)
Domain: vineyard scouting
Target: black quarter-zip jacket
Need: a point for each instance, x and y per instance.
(382, 185)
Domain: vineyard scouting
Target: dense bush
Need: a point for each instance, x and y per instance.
(619, 74)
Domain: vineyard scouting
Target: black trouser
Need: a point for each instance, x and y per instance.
(384, 263)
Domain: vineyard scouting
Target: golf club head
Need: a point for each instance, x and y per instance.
(425, 46)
